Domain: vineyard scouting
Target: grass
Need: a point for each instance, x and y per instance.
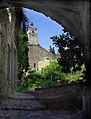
(20, 88)
(33, 87)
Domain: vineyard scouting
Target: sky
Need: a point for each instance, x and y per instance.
(46, 27)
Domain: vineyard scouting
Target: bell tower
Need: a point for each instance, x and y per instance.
(32, 36)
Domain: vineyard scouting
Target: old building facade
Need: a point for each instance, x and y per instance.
(8, 51)
(39, 57)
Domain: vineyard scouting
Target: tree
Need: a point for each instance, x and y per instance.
(70, 50)
(22, 52)
(51, 50)
(22, 41)
(21, 22)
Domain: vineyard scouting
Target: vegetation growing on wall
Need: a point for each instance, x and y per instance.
(52, 50)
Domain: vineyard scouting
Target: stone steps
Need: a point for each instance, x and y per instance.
(26, 106)
(23, 108)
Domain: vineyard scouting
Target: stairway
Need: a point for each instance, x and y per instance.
(26, 106)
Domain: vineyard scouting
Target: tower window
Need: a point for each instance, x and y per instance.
(32, 31)
(34, 65)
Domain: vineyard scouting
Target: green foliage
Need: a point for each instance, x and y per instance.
(22, 61)
(22, 41)
(75, 77)
(43, 79)
(72, 77)
(54, 70)
(52, 50)
(32, 80)
(42, 83)
(70, 50)
(21, 19)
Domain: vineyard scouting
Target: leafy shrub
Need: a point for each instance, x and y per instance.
(43, 79)
(54, 70)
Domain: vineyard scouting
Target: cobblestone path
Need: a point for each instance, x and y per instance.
(25, 106)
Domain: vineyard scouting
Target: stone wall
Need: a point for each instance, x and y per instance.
(44, 63)
(8, 51)
(65, 97)
(32, 36)
(37, 53)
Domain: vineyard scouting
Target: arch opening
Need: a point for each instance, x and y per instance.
(76, 31)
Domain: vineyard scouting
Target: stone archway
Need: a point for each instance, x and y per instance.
(74, 16)
(67, 13)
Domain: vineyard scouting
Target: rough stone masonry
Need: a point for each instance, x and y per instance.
(8, 51)
(39, 57)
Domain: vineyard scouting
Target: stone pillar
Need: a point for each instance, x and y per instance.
(89, 103)
(87, 50)
(12, 67)
(84, 99)
(15, 68)
(0, 58)
(0, 41)
(7, 37)
(88, 76)
(9, 66)
(86, 41)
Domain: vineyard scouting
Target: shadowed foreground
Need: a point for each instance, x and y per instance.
(26, 106)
